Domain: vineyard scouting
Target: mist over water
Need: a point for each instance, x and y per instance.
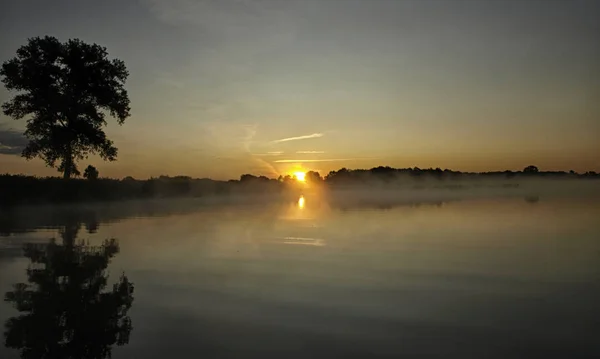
(495, 272)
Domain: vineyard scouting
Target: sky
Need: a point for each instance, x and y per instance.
(222, 88)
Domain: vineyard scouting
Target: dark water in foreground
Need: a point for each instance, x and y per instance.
(503, 278)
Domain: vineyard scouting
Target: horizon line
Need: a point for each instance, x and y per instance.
(415, 168)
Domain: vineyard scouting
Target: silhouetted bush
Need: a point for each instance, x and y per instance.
(530, 170)
(90, 173)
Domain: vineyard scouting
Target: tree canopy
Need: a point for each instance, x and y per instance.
(531, 169)
(64, 90)
(91, 173)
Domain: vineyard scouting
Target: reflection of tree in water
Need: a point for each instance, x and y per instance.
(532, 199)
(67, 311)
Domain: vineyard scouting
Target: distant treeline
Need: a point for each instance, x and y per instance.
(389, 174)
(20, 189)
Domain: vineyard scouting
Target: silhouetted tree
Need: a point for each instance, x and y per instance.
(90, 173)
(67, 312)
(530, 169)
(149, 187)
(339, 176)
(313, 177)
(64, 90)
(92, 226)
(248, 178)
(387, 170)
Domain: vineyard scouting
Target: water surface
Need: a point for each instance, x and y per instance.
(498, 278)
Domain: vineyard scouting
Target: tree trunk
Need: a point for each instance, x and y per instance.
(68, 162)
(67, 173)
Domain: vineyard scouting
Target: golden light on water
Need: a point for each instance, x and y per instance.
(300, 176)
(301, 202)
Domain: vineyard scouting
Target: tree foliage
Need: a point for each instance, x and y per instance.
(531, 169)
(91, 173)
(313, 177)
(64, 90)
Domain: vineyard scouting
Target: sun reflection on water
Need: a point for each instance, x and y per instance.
(301, 202)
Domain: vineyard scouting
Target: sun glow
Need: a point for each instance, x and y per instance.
(300, 176)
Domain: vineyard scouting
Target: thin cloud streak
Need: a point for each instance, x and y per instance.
(322, 160)
(305, 137)
(310, 152)
(268, 154)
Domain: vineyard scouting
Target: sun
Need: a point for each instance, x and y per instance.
(300, 176)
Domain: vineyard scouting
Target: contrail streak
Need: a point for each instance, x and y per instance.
(320, 160)
(305, 137)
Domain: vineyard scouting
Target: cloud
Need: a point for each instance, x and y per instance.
(11, 142)
(265, 167)
(310, 152)
(250, 133)
(272, 153)
(224, 17)
(320, 160)
(305, 137)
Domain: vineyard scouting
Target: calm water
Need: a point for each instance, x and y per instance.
(503, 278)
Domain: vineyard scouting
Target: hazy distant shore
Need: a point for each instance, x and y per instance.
(366, 186)
(529, 190)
